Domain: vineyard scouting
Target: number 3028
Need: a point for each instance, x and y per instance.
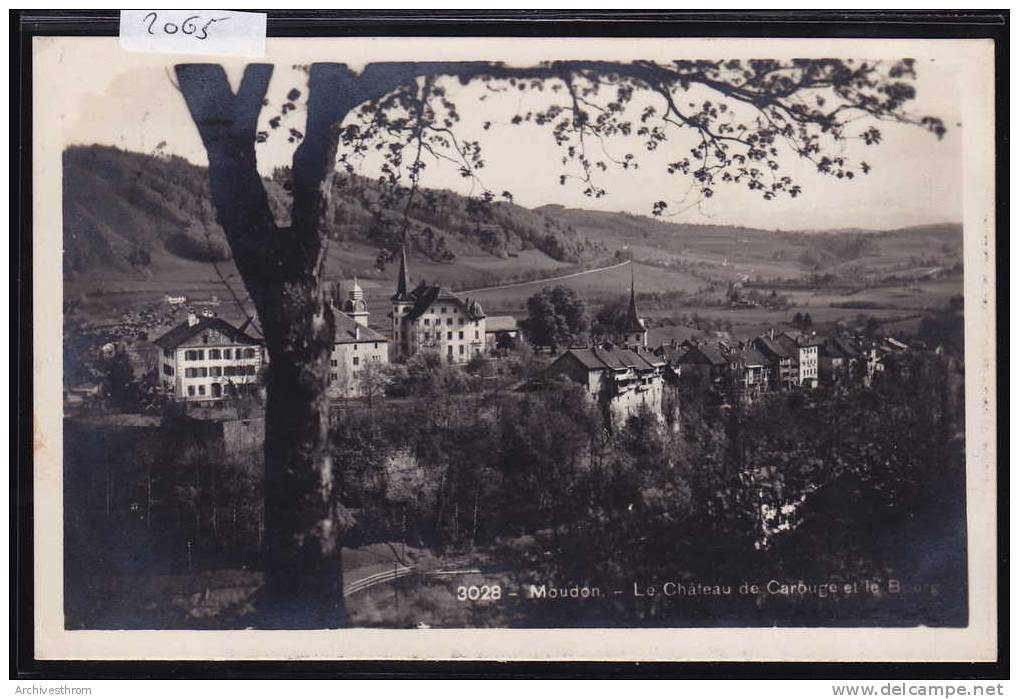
(478, 592)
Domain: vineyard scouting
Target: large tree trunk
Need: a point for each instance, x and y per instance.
(281, 270)
(303, 518)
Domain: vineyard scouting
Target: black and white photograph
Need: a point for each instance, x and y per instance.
(418, 335)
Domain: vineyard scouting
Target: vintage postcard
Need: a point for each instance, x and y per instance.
(538, 349)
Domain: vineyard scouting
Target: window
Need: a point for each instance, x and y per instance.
(201, 389)
(205, 338)
(449, 335)
(214, 354)
(228, 354)
(249, 353)
(191, 390)
(461, 349)
(203, 372)
(333, 363)
(332, 376)
(357, 360)
(375, 346)
(425, 321)
(475, 334)
(190, 373)
(449, 321)
(442, 310)
(461, 334)
(168, 370)
(217, 390)
(355, 347)
(201, 354)
(190, 355)
(251, 371)
(428, 336)
(216, 371)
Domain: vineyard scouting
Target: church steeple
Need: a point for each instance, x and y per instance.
(632, 317)
(403, 280)
(634, 331)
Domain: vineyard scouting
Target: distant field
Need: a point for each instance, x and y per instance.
(595, 288)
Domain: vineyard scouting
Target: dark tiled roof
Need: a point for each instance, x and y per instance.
(348, 331)
(789, 345)
(600, 358)
(751, 357)
(773, 348)
(425, 296)
(703, 354)
(586, 357)
(184, 332)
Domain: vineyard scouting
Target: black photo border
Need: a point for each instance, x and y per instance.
(986, 24)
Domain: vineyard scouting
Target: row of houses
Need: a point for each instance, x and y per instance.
(206, 359)
(773, 362)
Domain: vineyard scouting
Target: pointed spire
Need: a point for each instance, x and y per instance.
(632, 317)
(403, 280)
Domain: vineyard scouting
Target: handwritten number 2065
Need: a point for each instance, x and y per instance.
(189, 26)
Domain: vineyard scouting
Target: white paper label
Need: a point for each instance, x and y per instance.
(215, 32)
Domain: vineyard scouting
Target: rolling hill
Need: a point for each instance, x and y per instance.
(137, 226)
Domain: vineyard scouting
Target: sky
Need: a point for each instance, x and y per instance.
(129, 100)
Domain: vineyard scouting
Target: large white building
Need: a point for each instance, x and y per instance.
(434, 318)
(207, 359)
(357, 347)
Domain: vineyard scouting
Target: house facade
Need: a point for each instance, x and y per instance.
(356, 347)
(805, 350)
(208, 359)
(783, 361)
(434, 318)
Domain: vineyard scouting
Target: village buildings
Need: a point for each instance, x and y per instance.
(782, 359)
(633, 330)
(501, 333)
(434, 318)
(357, 348)
(621, 380)
(208, 359)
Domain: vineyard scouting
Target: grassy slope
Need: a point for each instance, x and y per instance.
(117, 202)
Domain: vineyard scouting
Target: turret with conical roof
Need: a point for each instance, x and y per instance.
(356, 306)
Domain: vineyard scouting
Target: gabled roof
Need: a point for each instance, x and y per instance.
(184, 332)
(586, 357)
(425, 296)
(802, 340)
(751, 357)
(601, 358)
(773, 348)
(703, 354)
(836, 346)
(349, 331)
(652, 359)
(789, 345)
(498, 324)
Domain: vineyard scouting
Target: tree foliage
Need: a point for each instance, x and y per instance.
(556, 316)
